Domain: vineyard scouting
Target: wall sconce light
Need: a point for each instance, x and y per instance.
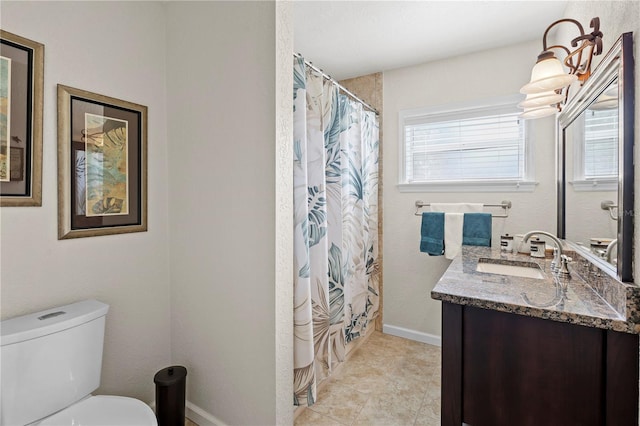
(548, 77)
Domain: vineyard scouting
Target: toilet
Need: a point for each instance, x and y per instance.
(50, 363)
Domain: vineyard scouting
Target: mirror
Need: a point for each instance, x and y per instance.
(591, 170)
(595, 179)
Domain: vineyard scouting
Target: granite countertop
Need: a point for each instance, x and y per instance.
(572, 301)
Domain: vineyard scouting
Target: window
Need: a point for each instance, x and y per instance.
(596, 151)
(481, 148)
(601, 144)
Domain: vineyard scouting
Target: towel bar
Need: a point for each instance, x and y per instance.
(506, 205)
(609, 205)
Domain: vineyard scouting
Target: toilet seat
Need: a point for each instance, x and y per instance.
(104, 410)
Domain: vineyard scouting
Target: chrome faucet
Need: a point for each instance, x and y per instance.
(609, 250)
(558, 255)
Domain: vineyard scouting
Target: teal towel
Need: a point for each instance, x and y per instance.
(476, 230)
(432, 233)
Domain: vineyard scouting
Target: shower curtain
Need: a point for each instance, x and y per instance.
(335, 226)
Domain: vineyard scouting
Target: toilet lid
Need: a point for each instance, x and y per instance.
(104, 410)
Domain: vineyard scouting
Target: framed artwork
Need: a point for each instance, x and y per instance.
(21, 85)
(102, 165)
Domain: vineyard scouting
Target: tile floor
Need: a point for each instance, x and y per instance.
(387, 381)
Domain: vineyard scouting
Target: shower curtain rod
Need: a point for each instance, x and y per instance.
(340, 86)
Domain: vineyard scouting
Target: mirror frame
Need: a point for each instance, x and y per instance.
(618, 63)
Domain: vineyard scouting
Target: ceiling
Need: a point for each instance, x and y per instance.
(352, 38)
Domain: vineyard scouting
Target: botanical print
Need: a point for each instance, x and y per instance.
(5, 118)
(106, 165)
(80, 207)
(335, 227)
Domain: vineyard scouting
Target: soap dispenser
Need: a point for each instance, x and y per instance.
(537, 247)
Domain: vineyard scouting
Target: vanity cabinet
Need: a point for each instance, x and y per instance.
(502, 368)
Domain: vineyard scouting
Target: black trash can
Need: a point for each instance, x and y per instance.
(170, 395)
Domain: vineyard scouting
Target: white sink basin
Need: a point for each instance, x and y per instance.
(522, 269)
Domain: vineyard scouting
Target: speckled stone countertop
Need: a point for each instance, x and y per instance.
(572, 301)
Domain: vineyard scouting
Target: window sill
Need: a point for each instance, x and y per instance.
(610, 184)
(475, 186)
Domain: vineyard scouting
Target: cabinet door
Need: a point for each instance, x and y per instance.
(523, 371)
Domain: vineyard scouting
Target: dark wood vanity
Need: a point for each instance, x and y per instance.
(531, 352)
(500, 368)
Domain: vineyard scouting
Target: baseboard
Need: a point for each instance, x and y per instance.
(418, 336)
(201, 417)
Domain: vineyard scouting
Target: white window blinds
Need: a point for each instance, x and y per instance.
(471, 145)
(601, 144)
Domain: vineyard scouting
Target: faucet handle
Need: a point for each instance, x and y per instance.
(554, 263)
(563, 271)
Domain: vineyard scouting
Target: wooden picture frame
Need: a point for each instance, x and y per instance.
(102, 165)
(21, 91)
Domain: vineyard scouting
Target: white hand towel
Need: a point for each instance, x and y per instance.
(453, 223)
(457, 207)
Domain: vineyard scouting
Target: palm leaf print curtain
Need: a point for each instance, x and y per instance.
(335, 226)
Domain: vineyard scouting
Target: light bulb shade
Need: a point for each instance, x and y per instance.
(538, 112)
(612, 91)
(535, 100)
(604, 102)
(547, 74)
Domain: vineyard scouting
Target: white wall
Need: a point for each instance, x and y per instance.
(221, 73)
(130, 272)
(207, 72)
(284, 209)
(409, 275)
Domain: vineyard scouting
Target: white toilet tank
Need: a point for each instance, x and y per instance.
(49, 360)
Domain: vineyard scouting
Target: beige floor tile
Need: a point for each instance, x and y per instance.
(402, 393)
(429, 413)
(363, 378)
(188, 422)
(387, 381)
(415, 367)
(339, 402)
(387, 410)
(415, 374)
(311, 418)
(376, 359)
